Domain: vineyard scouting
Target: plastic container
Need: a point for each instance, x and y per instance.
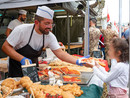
(79, 39)
(48, 60)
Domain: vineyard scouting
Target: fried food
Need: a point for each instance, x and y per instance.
(6, 91)
(39, 91)
(53, 90)
(74, 89)
(31, 87)
(67, 94)
(11, 83)
(8, 85)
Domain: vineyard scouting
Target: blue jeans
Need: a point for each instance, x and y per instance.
(103, 50)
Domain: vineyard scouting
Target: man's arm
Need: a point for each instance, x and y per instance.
(64, 56)
(9, 50)
(8, 32)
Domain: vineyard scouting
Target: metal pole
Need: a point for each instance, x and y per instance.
(129, 48)
(120, 17)
(86, 35)
(68, 32)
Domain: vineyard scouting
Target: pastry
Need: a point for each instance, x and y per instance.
(67, 94)
(11, 83)
(74, 89)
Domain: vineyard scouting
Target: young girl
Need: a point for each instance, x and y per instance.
(118, 77)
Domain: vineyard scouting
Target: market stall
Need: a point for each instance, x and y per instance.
(74, 76)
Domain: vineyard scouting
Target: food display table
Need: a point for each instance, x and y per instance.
(90, 88)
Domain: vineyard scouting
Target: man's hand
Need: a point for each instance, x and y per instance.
(23, 61)
(80, 62)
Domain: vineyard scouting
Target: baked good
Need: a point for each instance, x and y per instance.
(100, 61)
(6, 91)
(8, 85)
(40, 91)
(9, 82)
(31, 87)
(67, 94)
(74, 89)
(71, 79)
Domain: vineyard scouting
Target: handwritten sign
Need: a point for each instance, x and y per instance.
(97, 54)
(31, 71)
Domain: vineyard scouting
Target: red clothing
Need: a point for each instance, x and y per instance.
(102, 39)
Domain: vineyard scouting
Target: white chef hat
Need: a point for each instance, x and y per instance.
(22, 12)
(44, 11)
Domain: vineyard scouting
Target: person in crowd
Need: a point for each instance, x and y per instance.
(101, 45)
(20, 20)
(109, 26)
(122, 34)
(94, 34)
(108, 35)
(126, 33)
(27, 41)
(117, 78)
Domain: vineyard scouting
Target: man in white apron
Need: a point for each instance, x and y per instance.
(20, 20)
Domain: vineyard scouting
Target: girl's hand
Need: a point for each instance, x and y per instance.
(88, 65)
(92, 64)
(97, 64)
